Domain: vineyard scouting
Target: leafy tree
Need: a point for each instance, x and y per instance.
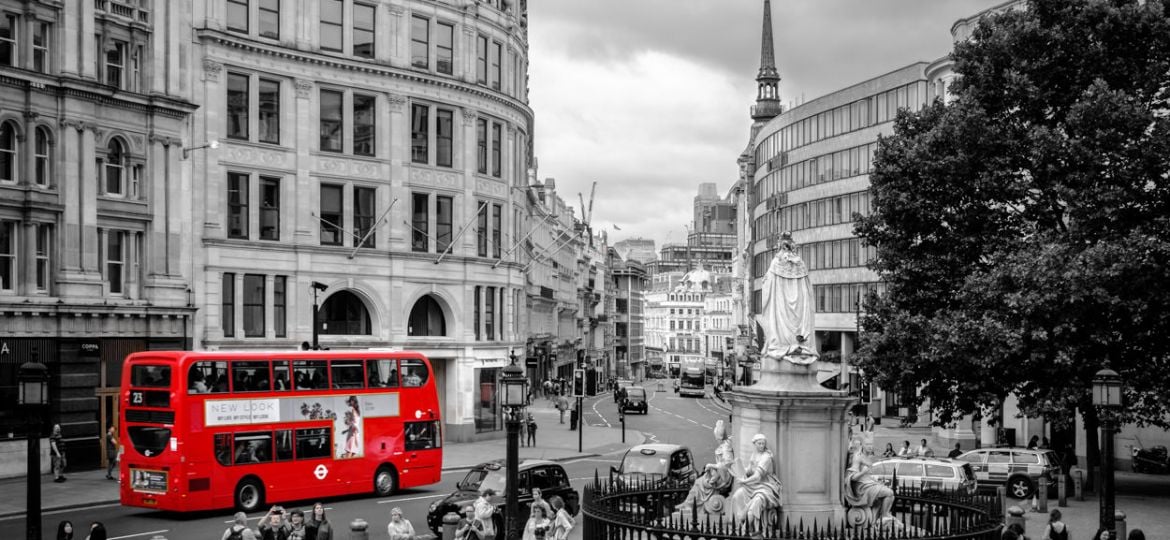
(1023, 230)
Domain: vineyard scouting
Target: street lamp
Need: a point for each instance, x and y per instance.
(33, 396)
(515, 398)
(210, 144)
(1107, 399)
(317, 287)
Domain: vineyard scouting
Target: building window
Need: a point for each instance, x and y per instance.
(364, 203)
(445, 49)
(268, 111)
(331, 121)
(420, 28)
(7, 255)
(43, 248)
(331, 212)
(269, 19)
(269, 208)
(419, 136)
(494, 53)
(497, 222)
(116, 261)
(237, 199)
(345, 314)
(40, 47)
(420, 218)
(481, 229)
(497, 136)
(332, 24)
(42, 159)
(363, 30)
(116, 63)
(444, 136)
(253, 305)
(443, 222)
(489, 312)
(481, 131)
(280, 305)
(426, 318)
(7, 152)
(237, 15)
(116, 164)
(364, 125)
(8, 28)
(237, 106)
(477, 314)
(481, 59)
(227, 307)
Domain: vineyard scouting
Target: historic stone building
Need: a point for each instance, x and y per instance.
(372, 161)
(95, 229)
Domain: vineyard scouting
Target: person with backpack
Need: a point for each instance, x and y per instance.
(1056, 529)
(239, 529)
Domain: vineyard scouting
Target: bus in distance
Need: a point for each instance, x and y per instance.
(217, 429)
(692, 378)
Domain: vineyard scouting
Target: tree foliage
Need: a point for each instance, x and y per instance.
(1023, 229)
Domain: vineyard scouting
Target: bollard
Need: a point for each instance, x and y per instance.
(1119, 525)
(1062, 491)
(1078, 477)
(1042, 486)
(1015, 515)
(450, 522)
(1001, 494)
(357, 530)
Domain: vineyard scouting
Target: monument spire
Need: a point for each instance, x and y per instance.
(768, 79)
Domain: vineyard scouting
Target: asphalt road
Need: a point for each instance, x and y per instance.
(687, 421)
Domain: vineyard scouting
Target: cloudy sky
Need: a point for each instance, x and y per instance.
(650, 98)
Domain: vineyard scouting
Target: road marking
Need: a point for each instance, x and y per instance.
(595, 460)
(139, 534)
(419, 498)
(66, 510)
(603, 419)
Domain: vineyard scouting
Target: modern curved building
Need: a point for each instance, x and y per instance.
(372, 161)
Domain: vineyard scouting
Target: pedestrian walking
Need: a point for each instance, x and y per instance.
(538, 500)
(531, 430)
(1056, 529)
(97, 531)
(538, 524)
(111, 452)
(562, 406)
(523, 431)
(563, 523)
(905, 451)
(65, 530)
(956, 452)
(239, 530)
(923, 450)
(484, 526)
(399, 528)
(57, 453)
(317, 527)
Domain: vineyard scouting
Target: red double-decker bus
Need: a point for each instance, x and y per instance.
(206, 430)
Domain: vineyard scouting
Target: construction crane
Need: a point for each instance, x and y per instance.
(587, 215)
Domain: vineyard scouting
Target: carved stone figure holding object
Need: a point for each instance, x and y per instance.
(868, 500)
(710, 488)
(756, 497)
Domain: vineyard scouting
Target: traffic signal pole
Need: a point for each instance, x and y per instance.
(580, 425)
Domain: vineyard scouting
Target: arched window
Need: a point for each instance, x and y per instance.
(42, 157)
(345, 314)
(115, 168)
(426, 318)
(7, 152)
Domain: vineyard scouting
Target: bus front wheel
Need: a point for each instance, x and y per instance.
(249, 495)
(385, 481)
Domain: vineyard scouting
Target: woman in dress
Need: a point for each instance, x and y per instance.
(759, 489)
(353, 420)
(399, 528)
(538, 525)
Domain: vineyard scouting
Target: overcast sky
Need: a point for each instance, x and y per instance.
(650, 98)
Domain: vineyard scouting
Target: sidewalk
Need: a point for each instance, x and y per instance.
(554, 442)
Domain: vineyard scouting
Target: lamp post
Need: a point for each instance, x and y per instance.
(34, 395)
(1107, 399)
(317, 287)
(515, 398)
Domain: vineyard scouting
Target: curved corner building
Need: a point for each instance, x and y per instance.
(370, 168)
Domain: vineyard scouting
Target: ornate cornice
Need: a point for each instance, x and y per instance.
(75, 124)
(469, 117)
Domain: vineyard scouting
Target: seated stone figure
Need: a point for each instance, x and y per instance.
(756, 496)
(708, 492)
(869, 500)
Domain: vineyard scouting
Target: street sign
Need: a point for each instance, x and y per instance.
(578, 383)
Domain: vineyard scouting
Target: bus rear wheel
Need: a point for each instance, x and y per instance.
(385, 481)
(249, 495)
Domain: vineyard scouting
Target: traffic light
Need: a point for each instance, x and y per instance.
(578, 383)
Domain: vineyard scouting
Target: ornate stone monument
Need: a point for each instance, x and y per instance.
(804, 424)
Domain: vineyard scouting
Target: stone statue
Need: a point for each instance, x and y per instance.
(787, 304)
(868, 500)
(708, 492)
(756, 497)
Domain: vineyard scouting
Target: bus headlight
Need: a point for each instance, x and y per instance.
(174, 444)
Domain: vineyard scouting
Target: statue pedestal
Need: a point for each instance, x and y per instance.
(806, 426)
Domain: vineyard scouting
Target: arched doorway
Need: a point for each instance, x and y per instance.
(345, 314)
(426, 318)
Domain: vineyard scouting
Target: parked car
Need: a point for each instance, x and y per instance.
(549, 476)
(654, 465)
(635, 400)
(1020, 469)
(930, 474)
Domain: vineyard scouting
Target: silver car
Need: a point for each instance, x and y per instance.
(930, 474)
(1020, 469)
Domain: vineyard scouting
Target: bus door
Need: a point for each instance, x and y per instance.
(421, 427)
